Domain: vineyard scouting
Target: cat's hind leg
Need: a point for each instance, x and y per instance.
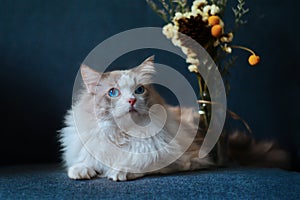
(123, 176)
(81, 171)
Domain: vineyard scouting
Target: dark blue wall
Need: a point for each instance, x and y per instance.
(42, 44)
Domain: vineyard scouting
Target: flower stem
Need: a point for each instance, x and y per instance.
(244, 48)
(200, 86)
(202, 98)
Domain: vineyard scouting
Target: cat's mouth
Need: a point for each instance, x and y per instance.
(132, 110)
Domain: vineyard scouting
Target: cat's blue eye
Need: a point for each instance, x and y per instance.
(140, 90)
(114, 92)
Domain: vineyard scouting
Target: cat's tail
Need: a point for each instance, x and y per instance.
(246, 151)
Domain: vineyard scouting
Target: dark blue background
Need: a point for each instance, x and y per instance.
(42, 44)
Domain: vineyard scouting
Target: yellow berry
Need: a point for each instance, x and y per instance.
(216, 30)
(213, 20)
(253, 60)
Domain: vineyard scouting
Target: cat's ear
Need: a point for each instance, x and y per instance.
(146, 70)
(90, 78)
(147, 66)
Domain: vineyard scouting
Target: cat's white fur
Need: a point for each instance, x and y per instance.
(92, 138)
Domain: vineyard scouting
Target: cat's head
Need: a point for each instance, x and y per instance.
(121, 93)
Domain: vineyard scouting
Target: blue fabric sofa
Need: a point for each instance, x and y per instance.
(51, 182)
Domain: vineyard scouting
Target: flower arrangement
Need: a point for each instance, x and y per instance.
(203, 22)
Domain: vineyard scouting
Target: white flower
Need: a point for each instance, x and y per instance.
(227, 49)
(209, 10)
(206, 9)
(188, 14)
(191, 53)
(197, 4)
(214, 9)
(227, 38)
(205, 14)
(185, 50)
(176, 41)
(168, 30)
(193, 68)
(188, 52)
(178, 15)
(192, 60)
(197, 12)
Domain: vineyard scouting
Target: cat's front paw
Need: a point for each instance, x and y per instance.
(80, 171)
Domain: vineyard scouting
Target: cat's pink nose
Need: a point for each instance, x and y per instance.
(132, 101)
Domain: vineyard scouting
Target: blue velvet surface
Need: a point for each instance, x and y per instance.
(51, 182)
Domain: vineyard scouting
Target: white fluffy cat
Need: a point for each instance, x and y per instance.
(120, 128)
